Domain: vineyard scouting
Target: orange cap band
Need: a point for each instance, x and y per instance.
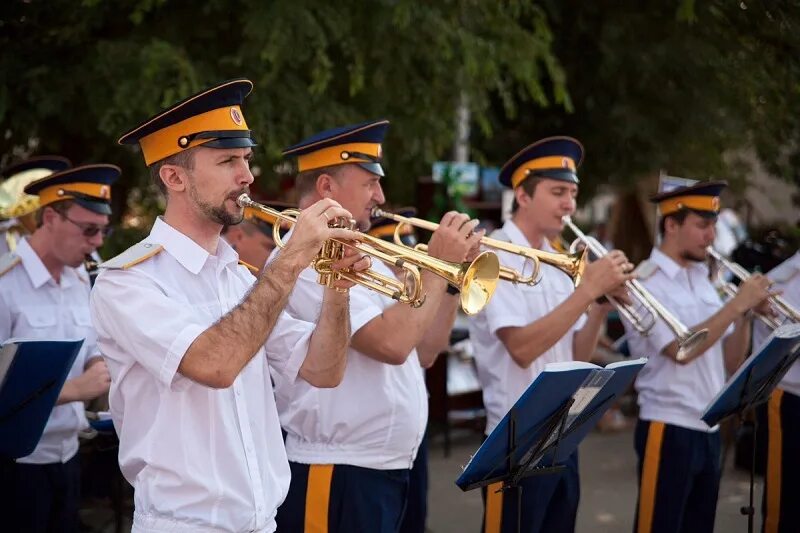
(167, 141)
(552, 162)
(700, 203)
(56, 193)
(337, 155)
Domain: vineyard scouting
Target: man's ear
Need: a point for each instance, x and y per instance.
(521, 196)
(175, 178)
(670, 226)
(326, 185)
(48, 216)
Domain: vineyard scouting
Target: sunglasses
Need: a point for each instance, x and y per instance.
(89, 229)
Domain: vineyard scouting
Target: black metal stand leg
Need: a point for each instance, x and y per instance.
(750, 510)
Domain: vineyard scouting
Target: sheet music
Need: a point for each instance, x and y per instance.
(591, 386)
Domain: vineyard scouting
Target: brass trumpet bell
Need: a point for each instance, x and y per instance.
(571, 264)
(475, 280)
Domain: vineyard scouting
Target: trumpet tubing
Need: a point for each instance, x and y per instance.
(570, 264)
(643, 317)
(784, 308)
(476, 280)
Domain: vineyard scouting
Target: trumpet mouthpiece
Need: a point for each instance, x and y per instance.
(376, 212)
(243, 200)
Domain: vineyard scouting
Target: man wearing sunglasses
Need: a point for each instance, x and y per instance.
(44, 294)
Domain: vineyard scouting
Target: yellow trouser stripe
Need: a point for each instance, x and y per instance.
(647, 490)
(774, 451)
(493, 516)
(318, 495)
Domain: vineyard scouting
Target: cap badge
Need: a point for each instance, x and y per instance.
(236, 116)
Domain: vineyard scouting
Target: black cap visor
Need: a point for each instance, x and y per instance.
(375, 168)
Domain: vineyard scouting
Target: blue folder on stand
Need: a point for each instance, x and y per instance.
(548, 421)
(758, 376)
(32, 374)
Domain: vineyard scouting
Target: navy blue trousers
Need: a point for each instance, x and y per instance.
(40, 498)
(679, 473)
(343, 499)
(549, 503)
(417, 504)
(781, 502)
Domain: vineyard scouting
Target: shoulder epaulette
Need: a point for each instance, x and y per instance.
(784, 273)
(249, 267)
(134, 255)
(9, 261)
(645, 269)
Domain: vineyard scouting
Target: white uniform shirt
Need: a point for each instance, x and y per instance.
(669, 392)
(199, 459)
(787, 281)
(376, 417)
(502, 380)
(34, 307)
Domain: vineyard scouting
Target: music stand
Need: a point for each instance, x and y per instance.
(752, 385)
(546, 424)
(32, 374)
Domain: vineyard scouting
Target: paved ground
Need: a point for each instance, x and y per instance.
(608, 490)
(608, 484)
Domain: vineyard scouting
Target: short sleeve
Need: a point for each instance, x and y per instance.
(364, 306)
(508, 307)
(287, 347)
(5, 319)
(135, 319)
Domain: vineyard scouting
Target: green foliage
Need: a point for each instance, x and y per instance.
(449, 196)
(675, 86)
(77, 75)
(645, 85)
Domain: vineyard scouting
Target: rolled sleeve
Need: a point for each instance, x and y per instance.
(363, 308)
(129, 310)
(287, 347)
(5, 320)
(508, 307)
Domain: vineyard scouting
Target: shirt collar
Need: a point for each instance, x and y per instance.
(188, 253)
(516, 236)
(37, 272)
(513, 232)
(671, 268)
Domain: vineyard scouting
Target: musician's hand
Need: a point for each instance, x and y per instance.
(94, 381)
(476, 247)
(313, 228)
(353, 260)
(620, 294)
(454, 238)
(606, 275)
(765, 309)
(752, 292)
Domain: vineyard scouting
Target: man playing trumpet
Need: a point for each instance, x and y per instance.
(779, 506)
(525, 327)
(679, 455)
(351, 448)
(192, 338)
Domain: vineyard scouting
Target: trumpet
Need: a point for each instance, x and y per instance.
(570, 264)
(786, 312)
(475, 280)
(643, 322)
